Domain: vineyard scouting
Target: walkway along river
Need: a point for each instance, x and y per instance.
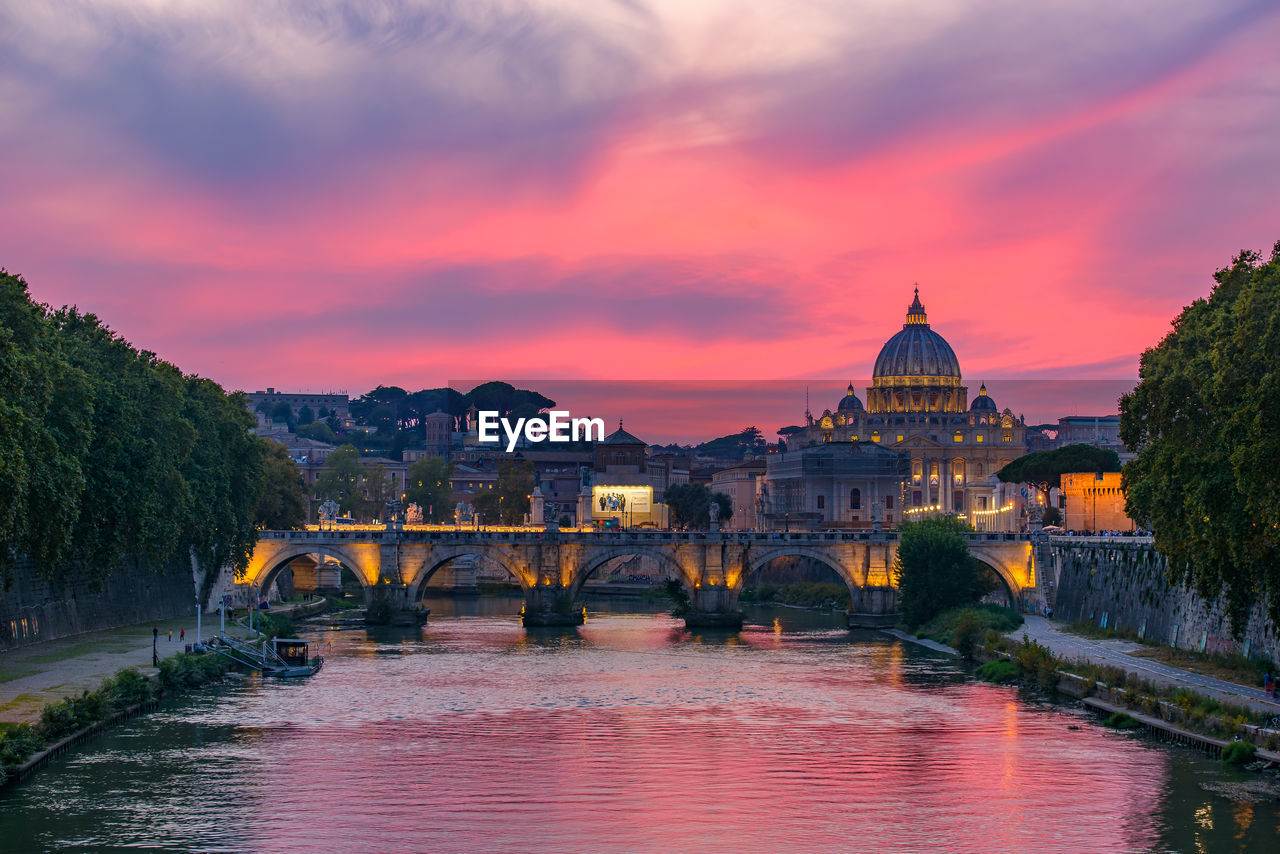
(628, 733)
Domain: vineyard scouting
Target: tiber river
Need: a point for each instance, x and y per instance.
(628, 734)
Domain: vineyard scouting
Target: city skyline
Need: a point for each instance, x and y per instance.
(634, 192)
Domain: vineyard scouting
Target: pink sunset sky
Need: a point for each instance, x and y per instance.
(328, 196)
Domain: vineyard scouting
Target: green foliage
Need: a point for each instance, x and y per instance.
(17, 743)
(1044, 468)
(428, 483)
(690, 505)
(934, 570)
(1202, 420)
(282, 501)
(508, 502)
(680, 602)
(804, 594)
(100, 439)
(191, 670)
(1121, 720)
(275, 626)
(972, 621)
(1036, 662)
(1051, 516)
(358, 488)
(1239, 753)
(998, 671)
(318, 431)
(749, 440)
(126, 689)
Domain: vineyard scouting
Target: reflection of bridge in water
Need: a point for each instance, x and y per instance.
(551, 567)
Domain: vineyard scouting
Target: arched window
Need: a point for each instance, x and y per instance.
(855, 499)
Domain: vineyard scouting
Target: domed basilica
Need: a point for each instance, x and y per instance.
(917, 404)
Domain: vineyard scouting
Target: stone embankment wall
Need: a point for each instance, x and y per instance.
(1123, 585)
(32, 609)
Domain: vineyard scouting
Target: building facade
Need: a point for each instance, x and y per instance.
(1094, 501)
(917, 404)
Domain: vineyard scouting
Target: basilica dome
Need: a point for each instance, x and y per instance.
(917, 354)
(849, 403)
(983, 402)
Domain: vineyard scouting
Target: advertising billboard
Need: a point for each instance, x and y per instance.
(621, 502)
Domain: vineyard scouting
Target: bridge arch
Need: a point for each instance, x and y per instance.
(755, 563)
(1016, 573)
(595, 561)
(438, 558)
(266, 574)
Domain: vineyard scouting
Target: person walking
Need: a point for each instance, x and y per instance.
(170, 635)
(182, 635)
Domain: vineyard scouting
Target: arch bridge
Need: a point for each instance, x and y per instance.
(551, 567)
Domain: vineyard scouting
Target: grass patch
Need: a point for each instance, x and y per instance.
(999, 672)
(1089, 630)
(1230, 668)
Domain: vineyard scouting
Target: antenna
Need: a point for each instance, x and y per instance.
(807, 414)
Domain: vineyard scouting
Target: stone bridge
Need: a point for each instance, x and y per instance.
(552, 566)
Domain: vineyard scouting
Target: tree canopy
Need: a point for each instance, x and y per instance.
(934, 570)
(1045, 468)
(108, 453)
(1202, 421)
(429, 484)
(282, 502)
(690, 505)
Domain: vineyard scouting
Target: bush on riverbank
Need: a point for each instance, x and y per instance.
(964, 627)
(1239, 753)
(127, 689)
(1121, 720)
(276, 626)
(809, 594)
(998, 671)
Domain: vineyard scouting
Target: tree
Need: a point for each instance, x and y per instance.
(342, 481)
(1044, 469)
(282, 501)
(319, 431)
(429, 484)
(98, 439)
(515, 484)
(1202, 421)
(282, 413)
(689, 505)
(305, 415)
(934, 570)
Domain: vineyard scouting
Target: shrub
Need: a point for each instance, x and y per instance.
(998, 671)
(1238, 753)
(17, 743)
(1121, 720)
(127, 689)
(680, 603)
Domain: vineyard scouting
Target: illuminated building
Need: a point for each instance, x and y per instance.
(917, 404)
(1094, 501)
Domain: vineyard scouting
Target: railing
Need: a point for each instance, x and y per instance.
(534, 535)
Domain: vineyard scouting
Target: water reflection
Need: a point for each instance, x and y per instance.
(627, 733)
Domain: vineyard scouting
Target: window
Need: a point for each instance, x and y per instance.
(888, 502)
(855, 499)
(1006, 436)
(822, 502)
(875, 437)
(959, 437)
(980, 438)
(899, 437)
(917, 498)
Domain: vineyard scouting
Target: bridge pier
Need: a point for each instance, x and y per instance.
(714, 607)
(873, 608)
(551, 605)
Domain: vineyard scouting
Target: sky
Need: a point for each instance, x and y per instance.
(315, 195)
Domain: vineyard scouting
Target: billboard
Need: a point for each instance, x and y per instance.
(621, 502)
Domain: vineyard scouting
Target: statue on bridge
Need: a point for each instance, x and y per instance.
(877, 515)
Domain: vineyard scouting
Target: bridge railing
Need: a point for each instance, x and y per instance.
(370, 534)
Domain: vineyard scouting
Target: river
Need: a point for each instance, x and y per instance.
(627, 734)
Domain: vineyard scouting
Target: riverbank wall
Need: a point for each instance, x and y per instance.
(1124, 585)
(33, 609)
